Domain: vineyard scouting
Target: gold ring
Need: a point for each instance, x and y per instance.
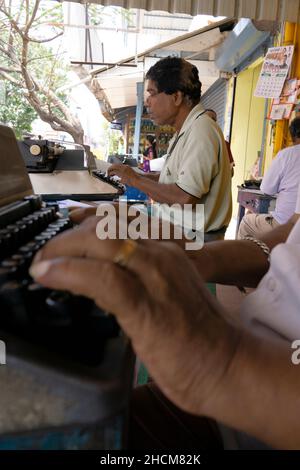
(125, 252)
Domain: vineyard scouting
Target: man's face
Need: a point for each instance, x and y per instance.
(161, 107)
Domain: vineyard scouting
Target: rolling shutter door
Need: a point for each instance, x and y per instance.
(215, 98)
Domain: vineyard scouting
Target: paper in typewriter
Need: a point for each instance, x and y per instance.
(69, 182)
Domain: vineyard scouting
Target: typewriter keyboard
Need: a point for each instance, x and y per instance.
(69, 325)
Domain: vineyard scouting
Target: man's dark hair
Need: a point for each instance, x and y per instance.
(174, 74)
(295, 128)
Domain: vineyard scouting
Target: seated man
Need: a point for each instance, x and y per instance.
(283, 178)
(195, 169)
(242, 378)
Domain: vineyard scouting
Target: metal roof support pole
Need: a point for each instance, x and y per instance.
(138, 117)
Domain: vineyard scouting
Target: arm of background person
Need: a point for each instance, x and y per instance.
(163, 193)
(238, 262)
(271, 180)
(152, 176)
(204, 365)
(233, 262)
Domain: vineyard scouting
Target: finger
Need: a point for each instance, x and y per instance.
(114, 168)
(148, 260)
(78, 215)
(112, 288)
(90, 239)
(161, 267)
(82, 242)
(74, 208)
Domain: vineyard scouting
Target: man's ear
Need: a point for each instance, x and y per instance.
(178, 98)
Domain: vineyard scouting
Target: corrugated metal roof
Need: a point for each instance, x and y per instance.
(273, 10)
(166, 21)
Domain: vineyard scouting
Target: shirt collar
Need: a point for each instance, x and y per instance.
(198, 109)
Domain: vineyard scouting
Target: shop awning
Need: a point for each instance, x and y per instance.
(199, 47)
(272, 10)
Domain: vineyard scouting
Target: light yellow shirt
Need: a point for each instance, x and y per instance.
(199, 165)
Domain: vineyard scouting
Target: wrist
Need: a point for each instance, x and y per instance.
(134, 180)
(216, 358)
(220, 371)
(204, 366)
(205, 262)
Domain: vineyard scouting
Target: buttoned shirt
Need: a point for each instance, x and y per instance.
(282, 178)
(274, 307)
(197, 162)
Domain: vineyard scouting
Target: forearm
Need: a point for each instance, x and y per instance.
(242, 380)
(226, 373)
(152, 176)
(259, 394)
(233, 262)
(238, 262)
(163, 193)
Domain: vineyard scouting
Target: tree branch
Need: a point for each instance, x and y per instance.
(9, 69)
(46, 103)
(40, 41)
(57, 123)
(27, 10)
(20, 11)
(10, 78)
(45, 13)
(12, 22)
(51, 56)
(10, 55)
(29, 23)
(53, 98)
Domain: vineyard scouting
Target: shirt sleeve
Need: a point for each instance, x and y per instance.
(271, 181)
(231, 160)
(298, 201)
(200, 163)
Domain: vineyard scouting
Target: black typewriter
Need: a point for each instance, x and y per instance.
(68, 325)
(40, 156)
(101, 175)
(251, 184)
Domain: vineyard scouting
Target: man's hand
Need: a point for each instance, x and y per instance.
(160, 302)
(125, 172)
(79, 214)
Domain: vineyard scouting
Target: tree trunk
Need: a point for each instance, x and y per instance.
(77, 136)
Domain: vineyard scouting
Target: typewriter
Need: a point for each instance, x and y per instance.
(251, 184)
(101, 175)
(71, 326)
(40, 156)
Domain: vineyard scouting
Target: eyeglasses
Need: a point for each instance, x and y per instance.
(153, 94)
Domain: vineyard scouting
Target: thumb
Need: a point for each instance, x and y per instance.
(113, 289)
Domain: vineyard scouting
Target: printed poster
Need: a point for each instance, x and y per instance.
(274, 72)
(282, 107)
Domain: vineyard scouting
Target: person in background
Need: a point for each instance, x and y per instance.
(196, 170)
(282, 178)
(150, 153)
(211, 113)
